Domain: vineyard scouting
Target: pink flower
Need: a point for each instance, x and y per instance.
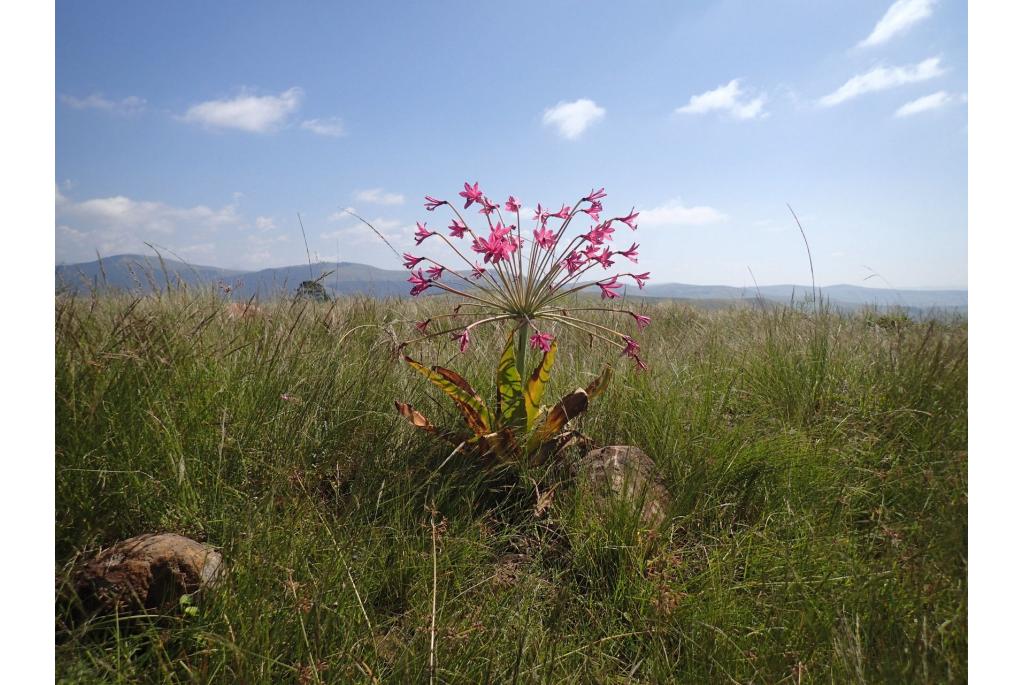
(513, 204)
(478, 271)
(411, 261)
(640, 278)
(600, 233)
(631, 219)
(501, 230)
(609, 287)
(458, 229)
(595, 195)
(632, 347)
(419, 284)
(605, 258)
(642, 321)
(640, 364)
(472, 193)
(630, 254)
(487, 206)
(422, 233)
(592, 251)
(544, 238)
(496, 246)
(463, 339)
(435, 272)
(422, 325)
(563, 213)
(594, 211)
(573, 262)
(540, 214)
(541, 341)
(433, 203)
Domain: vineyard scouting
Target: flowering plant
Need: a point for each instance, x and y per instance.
(530, 277)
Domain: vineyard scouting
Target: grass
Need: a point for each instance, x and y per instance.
(816, 461)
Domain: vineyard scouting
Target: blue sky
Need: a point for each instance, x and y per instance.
(204, 127)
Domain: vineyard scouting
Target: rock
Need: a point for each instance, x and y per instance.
(149, 571)
(624, 471)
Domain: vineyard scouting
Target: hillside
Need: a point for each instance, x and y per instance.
(138, 272)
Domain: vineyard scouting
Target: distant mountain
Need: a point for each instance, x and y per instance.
(836, 294)
(136, 272)
(143, 273)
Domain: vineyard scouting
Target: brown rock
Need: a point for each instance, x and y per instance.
(149, 571)
(624, 471)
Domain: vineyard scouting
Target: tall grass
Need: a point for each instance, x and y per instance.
(816, 463)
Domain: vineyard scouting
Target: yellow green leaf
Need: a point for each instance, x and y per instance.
(509, 384)
(598, 385)
(472, 407)
(534, 392)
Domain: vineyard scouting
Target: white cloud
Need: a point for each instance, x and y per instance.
(675, 213)
(119, 224)
(900, 16)
(883, 78)
(395, 231)
(265, 223)
(727, 98)
(199, 250)
(246, 112)
(928, 102)
(330, 127)
(129, 105)
(377, 196)
(573, 118)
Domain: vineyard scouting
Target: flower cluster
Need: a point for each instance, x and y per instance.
(531, 272)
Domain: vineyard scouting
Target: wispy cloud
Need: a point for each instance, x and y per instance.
(120, 224)
(265, 223)
(330, 127)
(378, 196)
(883, 78)
(246, 112)
(900, 16)
(395, 231)
(675, 213)
(729, 99)
(129, 105)
(571, 119)
(926, 103)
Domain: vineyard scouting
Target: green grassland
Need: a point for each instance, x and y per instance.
(816, 460)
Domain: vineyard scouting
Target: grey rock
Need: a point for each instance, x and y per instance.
(624, 472)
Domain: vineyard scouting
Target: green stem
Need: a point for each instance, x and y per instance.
(524, 331)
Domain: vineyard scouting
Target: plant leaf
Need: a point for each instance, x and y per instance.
(422, 422)
(509, 384)
(414, 417)
(534, 392)
(473, 409)
(569, 407)
(599, 384)
(502, 444)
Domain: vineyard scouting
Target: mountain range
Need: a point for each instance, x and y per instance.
(145, 273)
